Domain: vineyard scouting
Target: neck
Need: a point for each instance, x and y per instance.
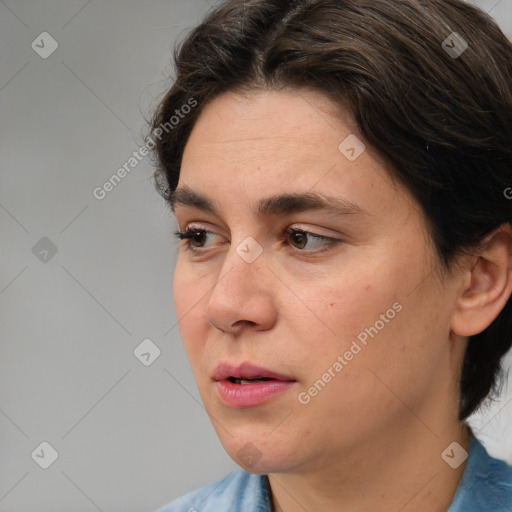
(401, 470)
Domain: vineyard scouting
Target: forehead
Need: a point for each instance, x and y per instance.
(269, 144)
(288, 122)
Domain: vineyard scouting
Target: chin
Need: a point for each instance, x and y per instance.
(264, 466)
(255, 454)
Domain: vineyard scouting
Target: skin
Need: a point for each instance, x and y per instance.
(372, 438)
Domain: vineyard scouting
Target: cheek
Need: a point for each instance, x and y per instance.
(188, 292)
(183, 291)
(190, 286)
(342, 307)
(371, 319)
(387, 360)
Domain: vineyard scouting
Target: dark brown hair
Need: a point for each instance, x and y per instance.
(438, 112)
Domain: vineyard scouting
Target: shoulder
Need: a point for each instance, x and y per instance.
(238, 491)
(486, 483)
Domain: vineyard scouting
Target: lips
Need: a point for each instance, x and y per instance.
(248, 385)
(246, 372)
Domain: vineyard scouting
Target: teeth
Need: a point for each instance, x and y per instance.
(251, 381)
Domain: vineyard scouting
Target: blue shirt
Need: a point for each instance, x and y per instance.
(486, 486)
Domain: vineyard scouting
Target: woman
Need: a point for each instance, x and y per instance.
(340, 172)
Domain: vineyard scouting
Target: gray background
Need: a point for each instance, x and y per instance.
(129, 437)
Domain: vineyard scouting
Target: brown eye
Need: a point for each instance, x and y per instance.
(194, 237)
(300, 238)
(198, 237)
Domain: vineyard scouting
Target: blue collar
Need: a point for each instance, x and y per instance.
(486, 484)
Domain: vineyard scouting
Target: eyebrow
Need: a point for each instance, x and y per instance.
(274, 205)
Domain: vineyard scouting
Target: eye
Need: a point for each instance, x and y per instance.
(195, 237)
(300, 237)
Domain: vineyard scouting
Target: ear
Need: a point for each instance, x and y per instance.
(486, 285)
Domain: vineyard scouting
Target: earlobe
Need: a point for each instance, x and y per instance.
(486, 285)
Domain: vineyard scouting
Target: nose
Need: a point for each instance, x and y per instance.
(242, 297)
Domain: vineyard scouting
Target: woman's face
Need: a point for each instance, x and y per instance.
(356, 325)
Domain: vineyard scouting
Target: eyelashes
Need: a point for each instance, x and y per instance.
(191, 235)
